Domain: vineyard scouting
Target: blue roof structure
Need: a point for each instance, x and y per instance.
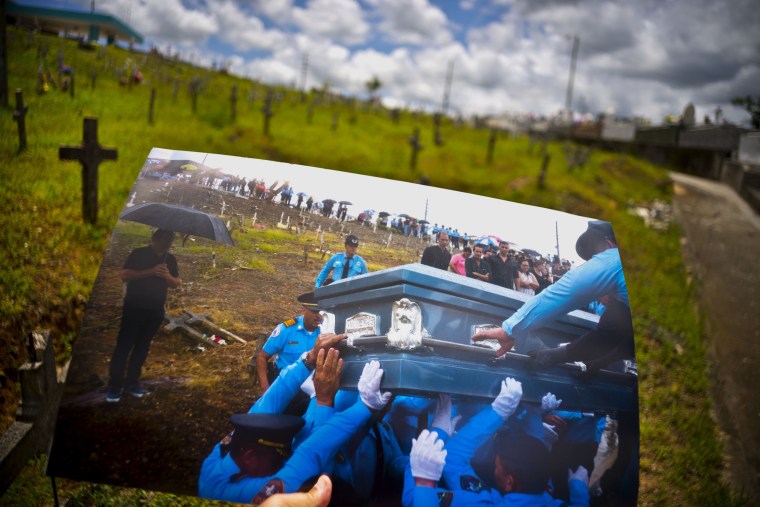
(53, 19)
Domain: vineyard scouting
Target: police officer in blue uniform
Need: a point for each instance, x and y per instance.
(257, 464)
(343, 265)
(288, 341)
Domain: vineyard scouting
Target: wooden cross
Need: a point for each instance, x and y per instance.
(414, 142)
(233, 102)
(437, 129)
(491, 145)
(19, 115)
(267, 110)
(89, 154)
(150, 106)
(544, 168)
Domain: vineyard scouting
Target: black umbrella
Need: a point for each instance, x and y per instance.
(331, 201)
(179, 219)
(346, 203)
(423, 222)
(530, 252)
(383, 214)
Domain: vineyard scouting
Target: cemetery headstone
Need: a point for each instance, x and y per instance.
(689, 115)
(19, 115)
(90, 154)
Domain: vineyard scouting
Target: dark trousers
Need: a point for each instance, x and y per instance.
(610, 341)
(138, 326)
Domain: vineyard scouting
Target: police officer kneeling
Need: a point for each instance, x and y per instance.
(255, 462)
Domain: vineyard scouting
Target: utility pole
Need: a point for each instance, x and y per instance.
(571, 78)
(556, 232)
(426, 208)
(447, 87)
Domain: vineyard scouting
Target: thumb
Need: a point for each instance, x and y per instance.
(321, 492)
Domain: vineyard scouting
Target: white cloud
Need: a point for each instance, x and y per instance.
(339, 20)
(168, 21)
(276, 10)
(644, 57)
(243, 31)
(414, 22)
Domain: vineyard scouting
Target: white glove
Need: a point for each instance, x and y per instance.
(442, 417)
(580, 473)
(308, 386)
(549, 402)
(427, 458)
(507, 400)
(369, 386)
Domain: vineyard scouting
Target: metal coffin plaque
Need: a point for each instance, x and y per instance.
(362, 324)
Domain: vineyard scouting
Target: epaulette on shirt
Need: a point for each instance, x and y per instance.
(289, 322)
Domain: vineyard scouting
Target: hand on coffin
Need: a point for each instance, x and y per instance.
(509, 397)
(327, 376)
(442, 418)
(369, 387)
(496, 333)
(323, 342)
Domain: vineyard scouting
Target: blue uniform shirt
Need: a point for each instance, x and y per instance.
(289, 340)
(220, 475)
(356, 266)
(601, 275)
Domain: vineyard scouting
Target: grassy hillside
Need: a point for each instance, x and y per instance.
(51, 257)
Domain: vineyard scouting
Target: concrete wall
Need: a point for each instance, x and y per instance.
(618, 131)
(712, 137)
(658, 136)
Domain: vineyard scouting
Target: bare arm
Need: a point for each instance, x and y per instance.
(261, 369)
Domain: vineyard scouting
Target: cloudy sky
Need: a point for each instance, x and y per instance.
(636, 57)
(537, 229)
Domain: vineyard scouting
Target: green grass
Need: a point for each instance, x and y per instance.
(50, 257)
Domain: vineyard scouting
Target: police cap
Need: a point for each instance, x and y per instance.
(270, 430)
(309, 301)
(352, 240)
(597, 230)
(526, 458)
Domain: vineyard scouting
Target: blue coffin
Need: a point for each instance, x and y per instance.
(451, 306)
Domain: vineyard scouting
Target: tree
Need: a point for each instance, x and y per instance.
(752, 105)
(373, 85)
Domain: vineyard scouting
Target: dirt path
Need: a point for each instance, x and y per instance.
(722, 244)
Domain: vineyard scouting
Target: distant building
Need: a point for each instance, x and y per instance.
(92, 25)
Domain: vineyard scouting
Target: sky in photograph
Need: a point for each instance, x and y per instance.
(526, 226)
(636, 58)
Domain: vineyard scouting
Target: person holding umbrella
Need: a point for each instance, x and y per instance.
(148, 272)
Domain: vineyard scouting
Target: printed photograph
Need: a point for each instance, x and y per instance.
(257, 325)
